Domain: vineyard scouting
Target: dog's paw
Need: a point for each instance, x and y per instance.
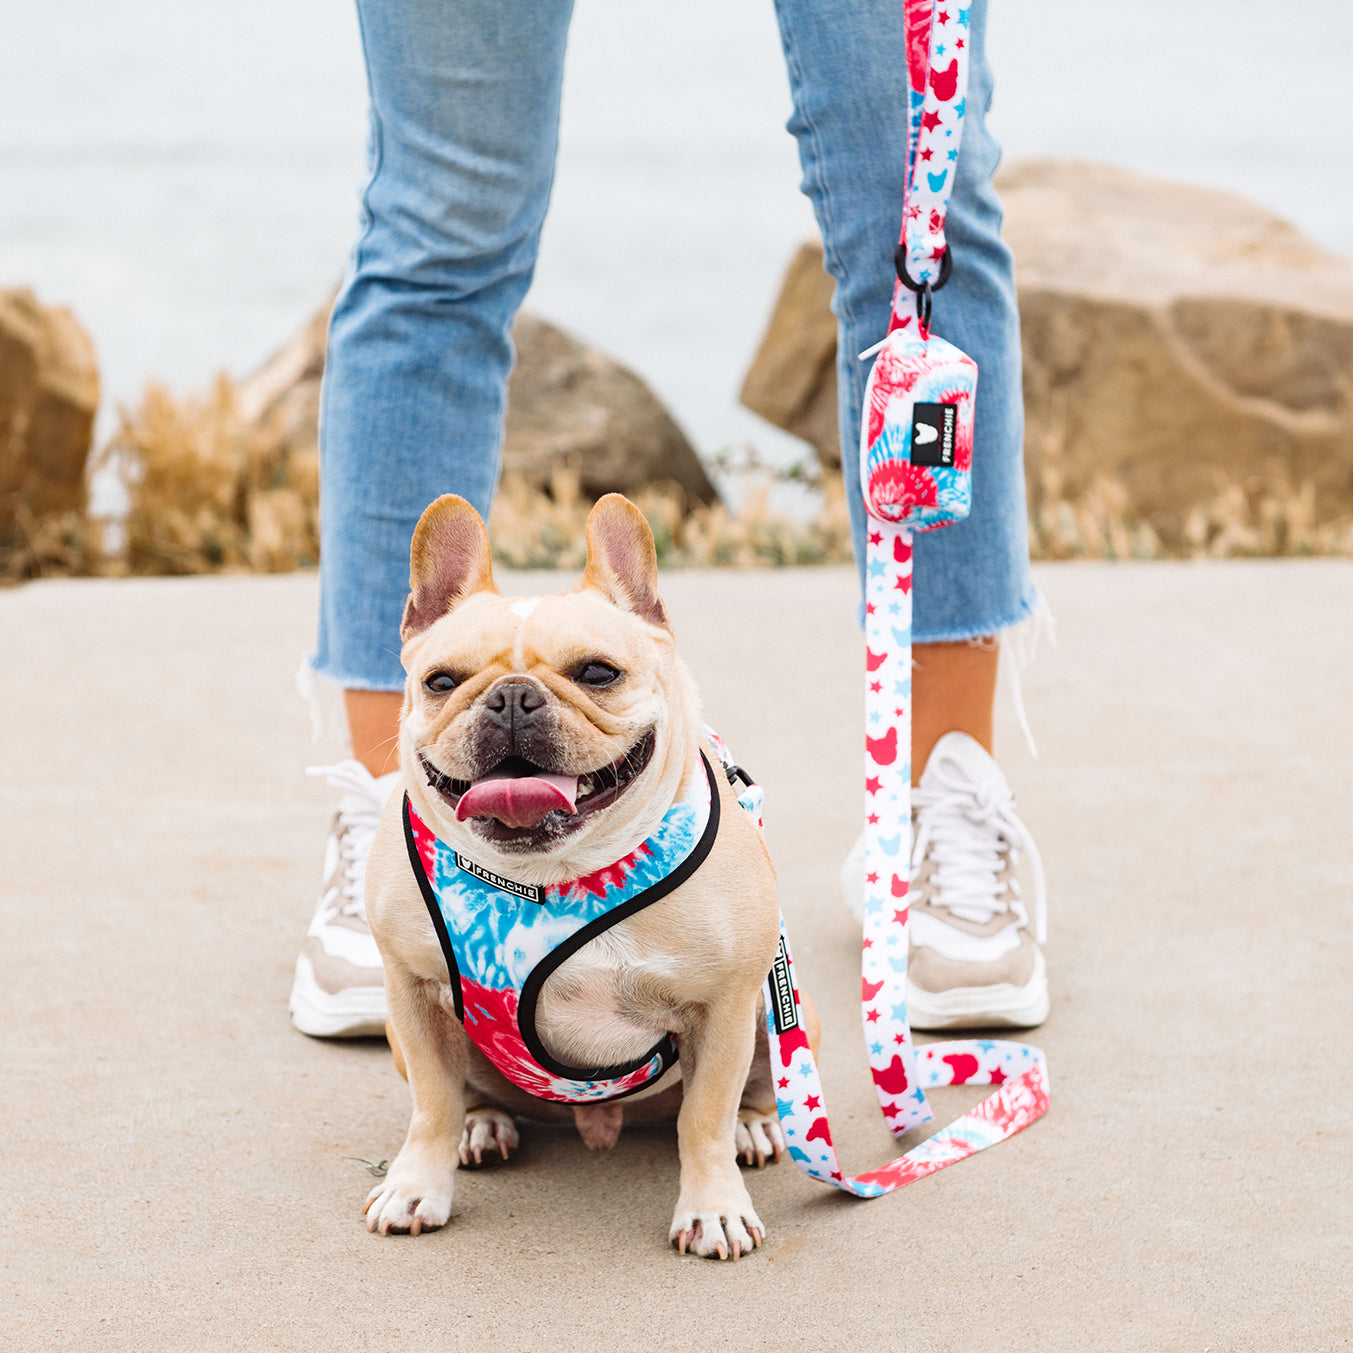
(758, 1137)
(395, 1206)
(719, 1232)
(487, 1129)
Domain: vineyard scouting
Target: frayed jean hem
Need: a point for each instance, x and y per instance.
(1028, 607)
(1025, 610)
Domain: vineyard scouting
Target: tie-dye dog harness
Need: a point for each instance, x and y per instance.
(503, 939)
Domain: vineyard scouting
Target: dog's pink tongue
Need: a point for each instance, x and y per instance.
(519, 802)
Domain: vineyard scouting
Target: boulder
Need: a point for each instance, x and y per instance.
(231, 480)
(1188, 363)
(1182, 345)
(568, 404)
(282, 396)
(49, 392)
(792, 380)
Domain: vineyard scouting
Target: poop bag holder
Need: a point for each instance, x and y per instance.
(916, 433)
(916, 438)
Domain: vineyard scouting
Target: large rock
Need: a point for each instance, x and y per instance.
(231, 480)
(49, 392)
(568, 404)
(792, 379)
(1180, 344)
(1188, 360)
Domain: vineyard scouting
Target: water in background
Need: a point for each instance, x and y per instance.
(185, 176)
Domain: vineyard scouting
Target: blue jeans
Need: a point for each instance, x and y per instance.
(464, 127)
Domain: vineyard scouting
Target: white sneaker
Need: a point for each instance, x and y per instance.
(973, 963)
(339, 988)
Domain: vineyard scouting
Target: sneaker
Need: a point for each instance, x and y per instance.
(339, 989)
(973, 962)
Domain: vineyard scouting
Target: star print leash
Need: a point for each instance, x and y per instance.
(916, 459)
(937, 81)
(902, 1072)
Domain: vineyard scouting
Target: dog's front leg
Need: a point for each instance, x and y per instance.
(416, 1194)
(714, 1214)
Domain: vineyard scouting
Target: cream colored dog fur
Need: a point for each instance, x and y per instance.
(691, 964)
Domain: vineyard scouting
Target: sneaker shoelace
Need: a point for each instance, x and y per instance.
(359, 814)
(966, 827)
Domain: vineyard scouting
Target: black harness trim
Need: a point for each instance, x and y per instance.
(435, 911)
(666, 1047)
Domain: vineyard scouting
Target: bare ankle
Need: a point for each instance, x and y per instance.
(373, 728)
(953, 690)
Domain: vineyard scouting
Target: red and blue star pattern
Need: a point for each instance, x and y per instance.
(901, 1072)
(937, 68)
(912, 367)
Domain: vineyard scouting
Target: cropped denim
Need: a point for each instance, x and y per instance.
(464, 126)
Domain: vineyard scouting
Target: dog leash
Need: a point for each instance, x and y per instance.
(916, 474)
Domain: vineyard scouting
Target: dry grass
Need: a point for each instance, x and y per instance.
(531, 529)
(55, 545)
(210, 491)
(1264, 516)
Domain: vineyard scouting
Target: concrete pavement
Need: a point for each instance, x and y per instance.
(184, 1167)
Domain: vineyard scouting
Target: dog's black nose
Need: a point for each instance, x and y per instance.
(511, 704)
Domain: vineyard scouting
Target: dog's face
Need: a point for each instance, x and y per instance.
(545, 736)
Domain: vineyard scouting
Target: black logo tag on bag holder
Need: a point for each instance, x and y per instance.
(527, 890)
(933, 428)
(783, 1010)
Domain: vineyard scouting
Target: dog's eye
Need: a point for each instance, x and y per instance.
(439, 683)
(596, 674)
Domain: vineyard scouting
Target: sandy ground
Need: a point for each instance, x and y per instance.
(185, 1168)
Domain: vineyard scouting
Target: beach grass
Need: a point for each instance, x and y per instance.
(210, 491)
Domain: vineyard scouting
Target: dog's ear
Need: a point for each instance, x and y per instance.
(621, 562)
(449, 561)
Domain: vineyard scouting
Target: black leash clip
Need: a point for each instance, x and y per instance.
(923, 290)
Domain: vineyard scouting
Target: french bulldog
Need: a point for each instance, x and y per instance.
(545, 739)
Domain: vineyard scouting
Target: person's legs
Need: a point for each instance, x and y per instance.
(464, 127)
(848, 74)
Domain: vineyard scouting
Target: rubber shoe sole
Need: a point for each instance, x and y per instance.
(358, 1012)
(999, 1006)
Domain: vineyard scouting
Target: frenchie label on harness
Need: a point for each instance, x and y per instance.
(527, 890)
